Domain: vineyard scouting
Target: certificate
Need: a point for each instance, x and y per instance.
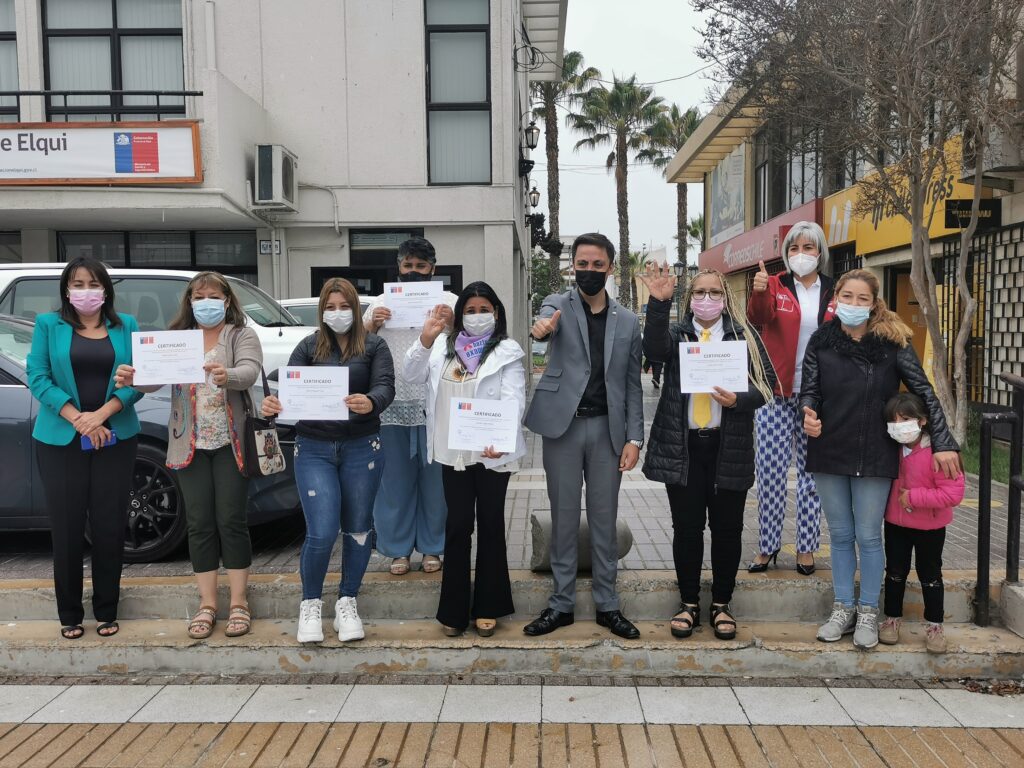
(709, 364)
(478, 424)
(314, 393)
(410, 302)
(168, 357)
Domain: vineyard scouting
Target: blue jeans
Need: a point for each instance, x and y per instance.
(337, 481)
(855, 509)
(410, 510)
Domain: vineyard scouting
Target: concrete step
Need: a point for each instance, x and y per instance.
(761, 650)
(646, 595)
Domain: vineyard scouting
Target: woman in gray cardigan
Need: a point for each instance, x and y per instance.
(205, 447)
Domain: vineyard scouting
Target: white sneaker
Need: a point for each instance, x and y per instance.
(347, 623)
(311, 625)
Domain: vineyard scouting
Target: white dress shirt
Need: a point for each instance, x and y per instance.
(717, 334)
(810, 301)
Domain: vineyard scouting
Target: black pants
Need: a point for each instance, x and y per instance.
(650, 365)
(477, 493)
(926, 547)
(83, 485)
(695, 504)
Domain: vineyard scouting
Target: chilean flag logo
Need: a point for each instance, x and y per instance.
(136, 152)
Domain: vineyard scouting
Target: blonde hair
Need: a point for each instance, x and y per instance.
(882, 322)
(759, 374)
(352, 343)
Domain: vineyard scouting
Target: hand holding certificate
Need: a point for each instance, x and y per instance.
(709, 364)
(313, 393)
(476, 425)
(168, 357)
(409, 303)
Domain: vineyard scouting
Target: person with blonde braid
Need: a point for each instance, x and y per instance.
(708, 464)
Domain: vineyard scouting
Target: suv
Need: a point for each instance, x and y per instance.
(152, 296)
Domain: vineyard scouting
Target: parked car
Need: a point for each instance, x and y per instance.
(156, 512)
(152, 296)
(305, 310)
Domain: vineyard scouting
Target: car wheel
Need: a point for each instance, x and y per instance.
(156, 510)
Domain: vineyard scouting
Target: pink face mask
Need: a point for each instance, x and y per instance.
(707, 309)
(86, 300)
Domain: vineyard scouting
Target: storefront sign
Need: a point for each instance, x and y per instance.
(727, 197)
(100, 153)
(760, 243)
(990, 213)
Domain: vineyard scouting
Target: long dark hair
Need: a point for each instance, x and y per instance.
(99, 272)
(482, 290)
(186, 320)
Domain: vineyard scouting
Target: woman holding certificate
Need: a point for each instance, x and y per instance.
(205, 447)
(338, 458)
(702, 442)
(85, 438)
(476, 394)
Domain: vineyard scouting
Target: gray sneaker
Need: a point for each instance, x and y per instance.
(866, 635)
(841, 622)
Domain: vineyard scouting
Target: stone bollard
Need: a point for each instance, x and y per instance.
(540, 528)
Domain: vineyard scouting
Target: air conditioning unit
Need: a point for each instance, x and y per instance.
(277, 178)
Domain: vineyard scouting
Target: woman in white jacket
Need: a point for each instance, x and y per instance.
(477, 360)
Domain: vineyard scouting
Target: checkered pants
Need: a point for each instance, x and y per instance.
(779, 428)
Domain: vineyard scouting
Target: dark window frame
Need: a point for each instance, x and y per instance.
(10, 37)
(471, 106)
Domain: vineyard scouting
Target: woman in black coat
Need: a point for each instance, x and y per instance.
(702, 445)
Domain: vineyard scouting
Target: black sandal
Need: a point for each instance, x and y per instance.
(108, 628)
(720, 614)
(690, 613)
(72, 631)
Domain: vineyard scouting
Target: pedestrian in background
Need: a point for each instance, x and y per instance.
(85, 438)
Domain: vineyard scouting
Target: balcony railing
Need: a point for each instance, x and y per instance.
(98, 106)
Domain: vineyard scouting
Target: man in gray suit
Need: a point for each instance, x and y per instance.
(588, 406)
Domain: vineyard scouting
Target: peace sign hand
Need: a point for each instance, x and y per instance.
(659, 281)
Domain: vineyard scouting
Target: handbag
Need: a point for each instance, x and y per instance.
(261, 447)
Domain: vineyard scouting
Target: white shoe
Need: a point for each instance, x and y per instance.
(311, 625)
(347, 623)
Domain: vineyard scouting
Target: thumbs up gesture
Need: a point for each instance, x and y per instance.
(812, 424)
(544, 327)
(760, 278)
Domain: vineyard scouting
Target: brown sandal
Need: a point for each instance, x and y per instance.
(200, 628)
(241, 618)
(399, 566)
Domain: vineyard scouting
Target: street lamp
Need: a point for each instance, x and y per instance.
(534, 196)
(532, 134)
(692, 271)
(679, 268)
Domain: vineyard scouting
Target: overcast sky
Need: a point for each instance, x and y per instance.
(655, 39)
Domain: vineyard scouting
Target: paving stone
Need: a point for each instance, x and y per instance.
(880, 707)
(791, 706)
(95, 704)
(691, 706)
(19, 702)
(979, 710)
(195, 703)
(395, 703)
(492, 703)
(577, 704)
(294, 703)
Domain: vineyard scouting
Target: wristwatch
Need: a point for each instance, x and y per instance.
(637, 443)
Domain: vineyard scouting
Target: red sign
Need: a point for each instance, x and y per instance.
(760, 243)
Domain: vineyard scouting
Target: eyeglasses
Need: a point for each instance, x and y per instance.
(714, 294)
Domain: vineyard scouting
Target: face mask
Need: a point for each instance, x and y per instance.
(479, 324)
(852, 316)
(338, 320)
(707, 309)
(414, 277)
(86, 300)
(209, 312)
(904, 432)
(802, 264)
(590, 281)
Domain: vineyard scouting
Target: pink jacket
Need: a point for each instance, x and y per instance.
(932, 494)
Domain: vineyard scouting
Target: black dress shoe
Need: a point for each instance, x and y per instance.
(548, 621)
(618, 624)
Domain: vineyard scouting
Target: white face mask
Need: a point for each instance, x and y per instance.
(904, 432)
(803, 264)
(479, 324)
(338, 320)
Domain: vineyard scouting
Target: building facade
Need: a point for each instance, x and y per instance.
(403, 118)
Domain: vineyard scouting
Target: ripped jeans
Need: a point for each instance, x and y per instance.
(926, 546)
(337, 482)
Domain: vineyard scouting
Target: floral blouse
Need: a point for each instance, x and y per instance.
(211, 414)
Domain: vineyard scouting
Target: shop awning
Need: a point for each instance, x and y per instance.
(724, 128)
(545, 26)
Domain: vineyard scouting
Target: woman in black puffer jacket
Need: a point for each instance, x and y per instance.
(702, 445)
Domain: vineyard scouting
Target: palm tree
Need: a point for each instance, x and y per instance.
(638, 261)
(620, 117)
(695, 231)
(565, 93)
(667, 136)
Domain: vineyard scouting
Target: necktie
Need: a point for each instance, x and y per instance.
(702, 400)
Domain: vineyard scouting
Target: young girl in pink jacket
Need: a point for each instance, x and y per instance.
(920, 507)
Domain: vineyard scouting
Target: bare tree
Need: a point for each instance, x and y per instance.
(890, 92)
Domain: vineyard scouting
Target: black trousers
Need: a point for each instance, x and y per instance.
(477, 494)
(698, 503)
(94, 486)
(926, 547)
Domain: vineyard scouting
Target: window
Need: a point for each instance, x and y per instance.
(112, 46)
(787, 172)
(458, 92)
(10, 246)
(8, 63)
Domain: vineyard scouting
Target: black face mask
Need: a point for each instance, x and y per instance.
(590, 281)
(414, 277)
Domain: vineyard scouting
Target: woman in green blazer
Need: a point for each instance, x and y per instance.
(85, 434)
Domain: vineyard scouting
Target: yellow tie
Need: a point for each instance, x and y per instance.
(702, 400)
